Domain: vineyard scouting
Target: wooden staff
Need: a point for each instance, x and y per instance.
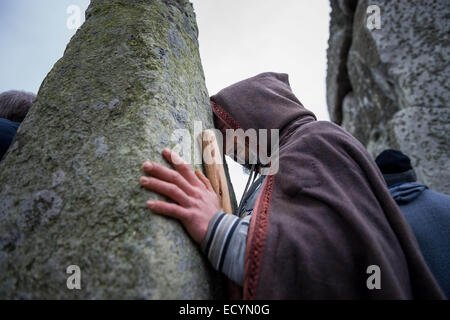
(213, 164)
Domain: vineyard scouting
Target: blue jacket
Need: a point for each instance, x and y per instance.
(8, 130)
(428, 213)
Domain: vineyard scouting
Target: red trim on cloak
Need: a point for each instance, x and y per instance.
(227, 119)
(257, 236)
(225, 116)
(259, 226)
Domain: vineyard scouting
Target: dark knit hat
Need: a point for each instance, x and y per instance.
(393, 161)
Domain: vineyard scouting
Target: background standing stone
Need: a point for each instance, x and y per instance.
(389, 87)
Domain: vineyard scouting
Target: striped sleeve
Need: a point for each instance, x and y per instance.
(225, 244)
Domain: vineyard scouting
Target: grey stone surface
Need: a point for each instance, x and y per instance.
(69, 185)
(338, 84)
(393, 91)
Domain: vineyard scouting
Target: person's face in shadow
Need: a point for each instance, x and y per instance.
(237, 150)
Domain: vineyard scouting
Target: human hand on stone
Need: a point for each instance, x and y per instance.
(196, 201)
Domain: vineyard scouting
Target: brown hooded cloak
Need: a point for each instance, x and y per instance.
(326, 216)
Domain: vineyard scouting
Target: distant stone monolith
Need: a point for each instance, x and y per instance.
(387, 81)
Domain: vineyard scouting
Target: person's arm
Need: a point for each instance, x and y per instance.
(196, 205)
(225, 244)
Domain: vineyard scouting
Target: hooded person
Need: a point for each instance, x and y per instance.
(322, 224)
(427, 212)
(326, 216)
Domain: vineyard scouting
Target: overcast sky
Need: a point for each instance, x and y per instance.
(238, 39)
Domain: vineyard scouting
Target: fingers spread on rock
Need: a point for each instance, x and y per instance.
(181, 166)
(163, 173)
(204, 179)
(167, 209)
(167, 189)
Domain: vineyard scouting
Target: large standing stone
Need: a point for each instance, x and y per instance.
(389, 87)
(69, 186)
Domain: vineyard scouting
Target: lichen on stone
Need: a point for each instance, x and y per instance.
(70, 192)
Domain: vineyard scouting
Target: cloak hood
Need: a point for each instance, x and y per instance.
(265, 101)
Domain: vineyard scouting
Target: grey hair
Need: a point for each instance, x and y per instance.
(14, 105)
